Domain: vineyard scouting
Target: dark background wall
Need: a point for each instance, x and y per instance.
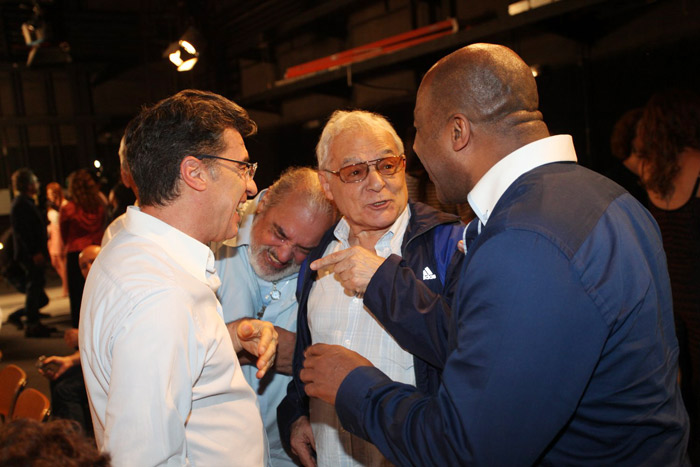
(102, 60)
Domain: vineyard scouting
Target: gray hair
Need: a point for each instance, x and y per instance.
(342, 120)
(302, 183)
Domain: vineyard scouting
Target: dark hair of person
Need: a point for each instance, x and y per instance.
(84, 191)
(55, 187)
(25, 442)
(21, 179)
(623, 134)
(670, 123)
(124, 197)
(192, 123)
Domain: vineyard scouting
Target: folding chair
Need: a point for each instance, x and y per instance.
(12, 381)
(31, 404)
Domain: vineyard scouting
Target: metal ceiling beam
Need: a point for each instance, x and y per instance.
(481, 32)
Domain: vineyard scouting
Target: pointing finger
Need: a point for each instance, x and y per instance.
(330, 260)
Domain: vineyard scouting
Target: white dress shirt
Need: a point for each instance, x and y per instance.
(114, 227)
(163, 380)
(337, 317)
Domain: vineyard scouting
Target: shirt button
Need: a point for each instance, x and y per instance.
(347, 342)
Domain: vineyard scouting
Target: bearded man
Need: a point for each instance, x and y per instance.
(258, 270)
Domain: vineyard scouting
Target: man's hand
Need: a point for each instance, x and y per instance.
(353, 267)
(257, 337)
(325, 368)
(302, 441)
(285, 350)
(55, 366)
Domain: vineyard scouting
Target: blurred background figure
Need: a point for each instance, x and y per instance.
(624, 146)
(120, 196)
(25, 442)
(68, 394)
(82, 222)
(30, 251)
(669, 135)
(57, 252)
(86, 258)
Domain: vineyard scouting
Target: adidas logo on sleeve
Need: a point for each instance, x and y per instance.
(428, 274)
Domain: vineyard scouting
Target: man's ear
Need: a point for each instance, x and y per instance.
(460, 131)
(323, 178)
(261, 205)
(194, 173)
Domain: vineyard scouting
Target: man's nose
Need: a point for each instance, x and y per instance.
(251, 188)
(375, 180)
(285, 252)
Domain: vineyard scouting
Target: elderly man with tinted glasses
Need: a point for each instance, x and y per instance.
(160, 365)
(389, 253)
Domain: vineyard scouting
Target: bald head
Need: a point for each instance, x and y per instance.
(87, 257)
(474, 107)
(488, 83)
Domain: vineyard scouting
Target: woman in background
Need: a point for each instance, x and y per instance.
(55, 200)
(669, 133)
(82, 222)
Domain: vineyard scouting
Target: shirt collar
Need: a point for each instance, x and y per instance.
(397, 229)
(495, 182)
(192, 255)
(245, 229)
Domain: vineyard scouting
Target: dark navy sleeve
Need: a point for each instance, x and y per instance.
(296, 402)
(413, 314)
(518, 364)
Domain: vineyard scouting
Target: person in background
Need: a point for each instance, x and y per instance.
(82, 224)
(68, 394)
(561, 343)
(118, 222)
(160, 366)
(30, 251)
(669, 131)
(120, 197)
(55, 200)
(397, 255)
(258, 270)
(624, 146)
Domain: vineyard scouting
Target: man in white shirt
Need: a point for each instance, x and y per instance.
(160, 366)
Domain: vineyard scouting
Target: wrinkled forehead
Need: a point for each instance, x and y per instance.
(298, 220)
(361, 144)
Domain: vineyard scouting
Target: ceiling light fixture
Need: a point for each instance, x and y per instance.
(184, 53)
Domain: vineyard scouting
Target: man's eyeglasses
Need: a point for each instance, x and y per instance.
(250, 167)
(355, 173)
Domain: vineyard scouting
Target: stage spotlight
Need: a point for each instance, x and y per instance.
(184, 53)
